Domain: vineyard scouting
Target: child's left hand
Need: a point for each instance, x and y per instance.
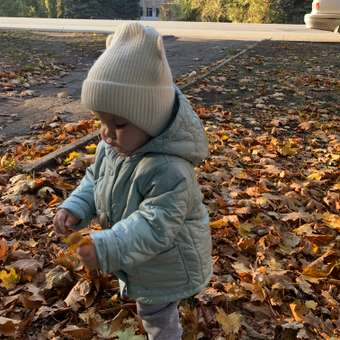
(88, 256)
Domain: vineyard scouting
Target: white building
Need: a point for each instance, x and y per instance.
(151, 9)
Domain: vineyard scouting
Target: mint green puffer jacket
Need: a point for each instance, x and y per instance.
(158, 242)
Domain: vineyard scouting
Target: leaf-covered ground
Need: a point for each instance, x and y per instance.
(272, 186)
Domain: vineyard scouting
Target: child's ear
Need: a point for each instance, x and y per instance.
(109, 40)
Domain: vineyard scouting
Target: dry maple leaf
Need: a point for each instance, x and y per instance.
(9, 278)
(231, 323)
(76, 240)
(323, 266)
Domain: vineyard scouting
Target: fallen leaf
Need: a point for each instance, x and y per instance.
(9, 278)
(58, 277)
(332, 220)
(8, 326)
(75, 332)
(91, 148)
(79, 295)
(296, 314)
(28, 267)
(73, 155)
(323, 266)
(310, 304)
(231, 323)
(3, 249)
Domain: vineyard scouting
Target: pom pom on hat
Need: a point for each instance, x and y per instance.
(132, 79)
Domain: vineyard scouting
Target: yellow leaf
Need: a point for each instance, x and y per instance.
(91, 148)
(73, 155)
(336, 186)
(245, 228)
(76, 240)
(73, 238)
(9, 278)
(231, 323)
(315, 248)
(287, 150)
(310, 304)
(231, 219)
(304, 229)
(316, 175)
(332, 220)
(335, 157)
(218, 224)
(225, 137)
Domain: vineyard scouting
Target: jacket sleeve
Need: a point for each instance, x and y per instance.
(81, 201)
(149, 230)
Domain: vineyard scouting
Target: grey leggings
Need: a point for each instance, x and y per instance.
(161, 321)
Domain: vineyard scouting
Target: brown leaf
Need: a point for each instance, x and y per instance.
(189, 317)
(47, 311)
(32, 297)
(79, 294)
(231, 323)
(28, 267)
(75, 332)
(323, 266)
(306, 126)
(300, 215)
(58, 277)
(8, 326)
(210, 295)
(3, 249)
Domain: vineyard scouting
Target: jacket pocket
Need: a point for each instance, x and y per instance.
(167, 269)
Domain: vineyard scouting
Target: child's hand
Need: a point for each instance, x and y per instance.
(63, 221)
(87, 254)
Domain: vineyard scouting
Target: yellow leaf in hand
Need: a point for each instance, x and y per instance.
(73, 238)
(76, 240)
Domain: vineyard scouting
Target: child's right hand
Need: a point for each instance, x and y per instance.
(63, 222)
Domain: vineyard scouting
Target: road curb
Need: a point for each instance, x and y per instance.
(221, 64)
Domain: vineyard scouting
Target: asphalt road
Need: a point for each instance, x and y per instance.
(184, 54)
(204, 30)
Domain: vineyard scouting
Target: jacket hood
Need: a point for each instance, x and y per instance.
(184, 137)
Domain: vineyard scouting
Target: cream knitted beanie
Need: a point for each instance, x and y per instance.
(132, 79)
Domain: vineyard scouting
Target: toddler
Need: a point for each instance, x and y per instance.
(142, 186)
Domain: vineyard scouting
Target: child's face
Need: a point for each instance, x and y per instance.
(120, 133)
